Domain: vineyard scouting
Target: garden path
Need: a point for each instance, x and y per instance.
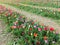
(42, 20)
(4, 37)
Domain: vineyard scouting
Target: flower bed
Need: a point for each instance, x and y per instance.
(42, 12)
(28, 32)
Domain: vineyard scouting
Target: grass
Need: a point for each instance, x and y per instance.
(49, 4)
(42, 12)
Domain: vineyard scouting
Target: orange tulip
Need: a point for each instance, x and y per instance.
(35, 34)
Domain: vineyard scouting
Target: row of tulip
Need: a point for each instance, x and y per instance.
(28, 32)
(43, 12)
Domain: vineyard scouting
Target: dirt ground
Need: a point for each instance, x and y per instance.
(4, 36)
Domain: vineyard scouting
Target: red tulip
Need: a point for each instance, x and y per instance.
(45, 28)
(19, 27)
(30, 28)
(37, 43)
(51, 29)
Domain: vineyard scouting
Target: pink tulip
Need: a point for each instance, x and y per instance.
(13, 27)
(46, 41)
(39, 29)
(34, 26)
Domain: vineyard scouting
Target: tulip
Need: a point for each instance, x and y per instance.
(30, 28)
(35, 26)
(45, 28)
(23, 26)
(13, 27)
(35, 34)
(16, 22)
(18, 26)
(31, 34)
(46, 41)
(53, 42)
(51, 29)
(39, 29)
(37, 43)
(45, 37)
